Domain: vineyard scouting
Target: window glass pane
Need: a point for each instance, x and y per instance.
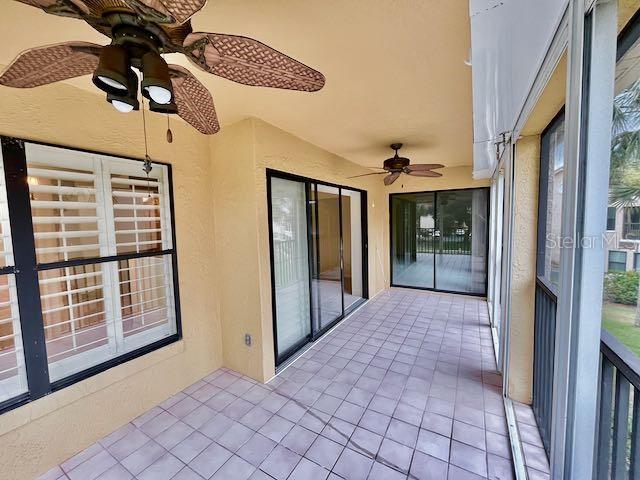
(631, 226)
(621, 314)
(461, 246)
(414, 239)
(611, 218)
(553, 165)
(90, 317)
(74, 312)
(327, 282)
(137, 213)
(146, 300)
(64, 205)
(290, 263)
(352, 246)
(13, 377)
(617, 261)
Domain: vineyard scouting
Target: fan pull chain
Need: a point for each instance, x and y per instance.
(146, 166)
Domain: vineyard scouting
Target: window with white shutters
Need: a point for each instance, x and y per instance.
(105, 262)
(13, 380)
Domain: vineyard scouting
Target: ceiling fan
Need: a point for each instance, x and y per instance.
(141, 30)
(396, 165)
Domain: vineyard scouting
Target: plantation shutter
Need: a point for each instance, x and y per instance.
(13, 379)
(84, 207)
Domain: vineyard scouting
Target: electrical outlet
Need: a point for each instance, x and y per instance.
(247, 339)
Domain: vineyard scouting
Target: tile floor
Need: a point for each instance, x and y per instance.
(535, 456)
(404, 388)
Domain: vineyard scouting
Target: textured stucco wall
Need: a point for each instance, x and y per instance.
(35, 437)
(240, 201)
(523, 268)
(223, 255)
(242, 229)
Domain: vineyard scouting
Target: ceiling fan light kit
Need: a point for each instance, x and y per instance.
(168, 108)
(124, 104)
(113, 72)
(156, 83)
(141, 31)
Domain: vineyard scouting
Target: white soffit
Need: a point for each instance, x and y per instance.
(509, 42)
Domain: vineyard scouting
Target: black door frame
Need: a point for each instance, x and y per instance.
(435, 217)
(310, 185)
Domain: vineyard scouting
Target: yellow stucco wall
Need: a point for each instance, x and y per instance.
(240, 201)
(525, 227)
(523, 268)
(223, 256)
(40, 434)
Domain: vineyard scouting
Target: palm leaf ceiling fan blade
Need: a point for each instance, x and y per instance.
(145, 29)
(159, 11)
(63, 8)
(367, 174)
(194, 101)
(168, 12)
(52, 63)
(389, 179)
(420, 167)
(250, 62)
(424, 173)
(181, 10)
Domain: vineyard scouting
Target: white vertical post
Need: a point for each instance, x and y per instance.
(492, 246)
(110, 277)
(583, 220)
(505, 275)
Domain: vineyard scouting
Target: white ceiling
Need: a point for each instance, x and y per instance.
(395, 70)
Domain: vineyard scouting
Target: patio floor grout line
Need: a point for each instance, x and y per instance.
(407, 327)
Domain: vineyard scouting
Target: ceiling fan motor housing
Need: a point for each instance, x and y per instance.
(396, 163)
(134, 46)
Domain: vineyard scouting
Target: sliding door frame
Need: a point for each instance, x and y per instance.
(310, 185)
(435, 218)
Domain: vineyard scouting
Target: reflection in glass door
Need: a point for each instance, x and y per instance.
(461, 241)
(351, 205)
(290, 263)
(414, 239)
(327, 278)
(439, 240)
(318, 257)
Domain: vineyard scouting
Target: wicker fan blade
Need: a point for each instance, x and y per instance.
(43, 65)
(367, 174)
(194, 102)
(424, 173)
(182, 10)
(250, 62)
(389, 179)
(63, 8)
(166, 11)
(423, 167)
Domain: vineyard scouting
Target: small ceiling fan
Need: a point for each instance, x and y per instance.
(396, 165)
(141, 30)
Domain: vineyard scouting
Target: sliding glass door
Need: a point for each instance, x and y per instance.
(318, 257)
(352, 247)
(327, 279)
(439, 240)
(290, 253)
(414, 239)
